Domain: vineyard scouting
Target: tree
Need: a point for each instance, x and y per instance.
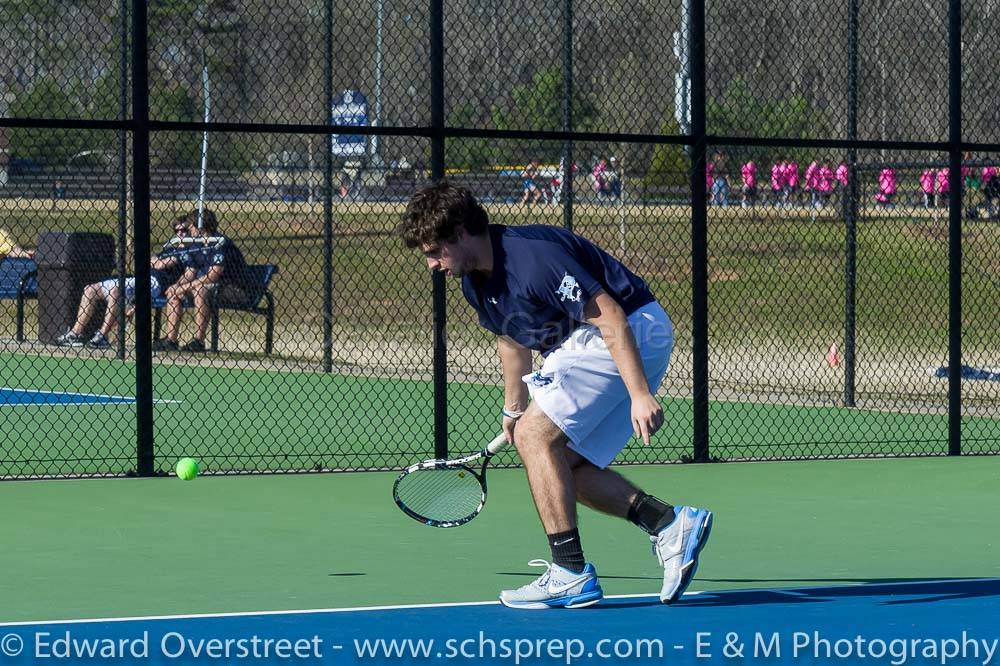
(464, 153)
(176, 149)
(669, 166)
(739, 111)
(50, 146)
(538, 105)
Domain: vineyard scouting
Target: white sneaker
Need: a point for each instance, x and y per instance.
(677, 546)
(556, 588)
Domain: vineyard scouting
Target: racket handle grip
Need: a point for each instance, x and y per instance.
(499, 442)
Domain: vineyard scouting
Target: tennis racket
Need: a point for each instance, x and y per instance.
(445, 493)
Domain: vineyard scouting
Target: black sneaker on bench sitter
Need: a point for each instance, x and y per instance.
(164, 344)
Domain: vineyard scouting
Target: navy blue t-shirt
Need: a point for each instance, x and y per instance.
(167, 276)
(542, 278)
(234, 266)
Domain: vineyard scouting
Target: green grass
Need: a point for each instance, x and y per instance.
(778, 274)
(253, 420)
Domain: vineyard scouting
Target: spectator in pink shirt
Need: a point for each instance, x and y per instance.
(812, 184)
(720, 185)
(599, 177)
(886, 187)
(927, 187)
(824, 183)
(841, 175)
(943, 186)
(749, 173)
(777, 181)
(791, 180)
(991, 190)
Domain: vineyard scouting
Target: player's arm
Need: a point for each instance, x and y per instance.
(186, 278)
(604, 312)
(213, 275)
(158, 263)
(515, 360)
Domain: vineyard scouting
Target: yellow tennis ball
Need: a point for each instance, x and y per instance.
(187, 468)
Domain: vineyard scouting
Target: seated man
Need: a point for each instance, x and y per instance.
(8, 248)
(219, 265)
(166, 268)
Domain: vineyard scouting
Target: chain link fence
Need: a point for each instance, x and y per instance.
(197, 204)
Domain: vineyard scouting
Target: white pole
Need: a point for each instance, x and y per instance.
(682, 79)
(378, 79)
(621, 206)
(204, 141)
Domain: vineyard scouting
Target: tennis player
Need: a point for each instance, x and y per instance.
(606, 345)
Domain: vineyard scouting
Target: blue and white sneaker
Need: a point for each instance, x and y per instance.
(677, 546)
(556, 588)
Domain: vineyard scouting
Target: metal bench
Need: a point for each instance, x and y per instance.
(259, 301)
(18, 281)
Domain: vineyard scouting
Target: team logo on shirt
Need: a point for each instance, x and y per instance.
(568, 289)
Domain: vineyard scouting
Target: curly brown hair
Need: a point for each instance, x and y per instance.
(436, 212)
(209, 223)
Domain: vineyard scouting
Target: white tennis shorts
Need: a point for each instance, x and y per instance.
(112, 283)
(581, 390)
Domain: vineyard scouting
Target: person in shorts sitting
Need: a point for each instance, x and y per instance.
(166, 268)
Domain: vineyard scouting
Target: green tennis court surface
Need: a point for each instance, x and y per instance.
(127, 547)
(233, 418)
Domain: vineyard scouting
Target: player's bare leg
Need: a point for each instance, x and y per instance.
(602, 489)
(201, 312)
(542, 446)
(92, 296)
(174, 311)
(568, 582)
(110, 313)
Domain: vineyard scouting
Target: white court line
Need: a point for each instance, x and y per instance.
(454, 604)
(310, 611)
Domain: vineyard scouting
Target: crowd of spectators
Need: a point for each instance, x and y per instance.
(819, 182)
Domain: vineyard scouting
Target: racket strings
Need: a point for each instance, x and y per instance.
(441, 495)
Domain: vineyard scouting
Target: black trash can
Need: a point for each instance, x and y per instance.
(67, 262)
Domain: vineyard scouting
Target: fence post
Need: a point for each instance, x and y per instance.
(699, 234)
(140, 214)
(851, 209)
(437, 172)
(955, 228)
(328, 194)
(122, 257)
(567, 172)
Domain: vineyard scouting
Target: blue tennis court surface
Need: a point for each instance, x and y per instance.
(905, 622)
(13, 396)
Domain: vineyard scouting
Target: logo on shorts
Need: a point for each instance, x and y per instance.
(539, 380)
(568, 289)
